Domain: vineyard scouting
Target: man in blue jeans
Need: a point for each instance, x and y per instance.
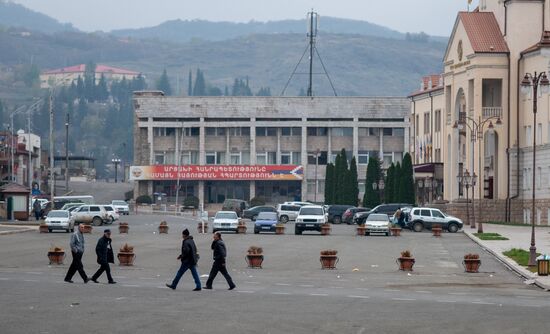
(189, 259)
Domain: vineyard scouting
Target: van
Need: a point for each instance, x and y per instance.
(236, 205)
(287, 212)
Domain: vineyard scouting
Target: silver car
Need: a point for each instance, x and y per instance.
(60, 220)
(287, 212)
(377, 223)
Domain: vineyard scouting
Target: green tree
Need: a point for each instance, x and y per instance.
(389, 185)
(190, 84)
(372, 196)
(102, 91)
(264, 91)
(1, 112)
(89, 82)
(397, 183)
(163, 84)
(200, 85)
(353, 183)
(31, 75)
(329, 184)
(340, 172)
(406, 191)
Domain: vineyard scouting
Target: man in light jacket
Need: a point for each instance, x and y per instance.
(77, 249)
(189, 259)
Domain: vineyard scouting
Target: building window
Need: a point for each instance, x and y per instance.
(398, 132)
(317, 131)
(163, 132)
(290, 158)
(426, 122)
(387, 160)
(239, 132)
(291, 131)
(539, 133)
(215, 158)
(341, 132)
(437, 120)
(528, 140)
(215, 132)
(266, 132)
(526, 216)
(363, 132)
(322, 158)
(437, 155)
(266, 158)
(235, 158)
(190, 132)
(374, 132)
(159, 158)
(190, 158)
(417, 121)
(387, 132)
(363, 158)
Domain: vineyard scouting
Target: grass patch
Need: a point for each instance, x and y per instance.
(521, 256)
(490, 236)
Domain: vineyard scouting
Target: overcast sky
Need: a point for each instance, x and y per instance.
(435, 17)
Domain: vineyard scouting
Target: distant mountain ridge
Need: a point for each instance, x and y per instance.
(16, 15)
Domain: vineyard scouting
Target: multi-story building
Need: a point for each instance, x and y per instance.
(67, 75)
(275, 147)
(476, 118)
(15, 151)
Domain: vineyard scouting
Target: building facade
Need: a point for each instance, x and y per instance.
(274, 147)
(477, 117)
(67, 75)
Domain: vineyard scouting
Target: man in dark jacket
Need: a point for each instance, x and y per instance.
(37, 208)
(77, 249)
(220, 252)
(105, 255)
(189, 259)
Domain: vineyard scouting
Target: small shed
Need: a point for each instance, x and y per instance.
(16, 198)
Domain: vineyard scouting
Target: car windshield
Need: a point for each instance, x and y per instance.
(311, 211)
(119, 203)
(378, 217)
(58, 214)
(226, 215)
(267, 216)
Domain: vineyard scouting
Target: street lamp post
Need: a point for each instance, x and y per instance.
(317, 153)
(116, 161)
(531, 83)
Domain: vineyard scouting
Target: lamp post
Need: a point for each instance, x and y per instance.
(428, 188)
(477, 128)
(468, 181)
(116, 161)
(317, 153)
(531, 84)
(67, 153)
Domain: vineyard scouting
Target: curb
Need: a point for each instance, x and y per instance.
(510, 264)
(17, 231)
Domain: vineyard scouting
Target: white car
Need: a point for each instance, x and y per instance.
(121, 207)
(377, 223)
(225, 221)
(60, 220)
(420, 218)
(310, 218)
(113, 215)
(298, 203)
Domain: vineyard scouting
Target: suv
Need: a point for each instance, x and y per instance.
(388, 209)
(310, 218)
(287, 212)
(113, 215)
(121, 207)
(91, 214)
(236, 205)
(336, 212)
(421, 218)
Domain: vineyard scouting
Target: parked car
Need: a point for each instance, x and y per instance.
(377, 223)
(236, 205)
(225, 221)
(349, 214)
(287, 212)
(388, 209)
(60, 220)
(310, 218)
(91, 214)
(336, 212)
(67, 206)
(298, 203)
(265, 222)
(252, 213)
(121, 207)
(113, 215)
(421, 218)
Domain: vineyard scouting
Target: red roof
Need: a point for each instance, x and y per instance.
(99, 69)
(483, 32)
(436, 84)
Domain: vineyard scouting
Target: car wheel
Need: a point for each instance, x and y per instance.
(337, 220)
(256, 232)
(452, 227)
(387, 234)
(72, 229)
(49, 230)
(283, 219)
(97, 221)
(297, 231)
(417, 227)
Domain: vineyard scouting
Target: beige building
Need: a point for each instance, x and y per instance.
(476, 118)
(67, 75)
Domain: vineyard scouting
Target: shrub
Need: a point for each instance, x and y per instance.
(329, 252)
(55, 248)
(163, 223)
(191, 201)
(255, 250)
(128, 195)
(144, 199)
(256, 201)
(406, 253)
(127, 248)
(471, 256)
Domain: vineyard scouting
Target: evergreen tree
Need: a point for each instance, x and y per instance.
(190, 84)
(214, 91)
(389, 185)
(138, 83)
(241, 88)
(102, 89)
(80, 87)
(226, 91)
(372, 196)
(353, 183)
(200, 85)
(1, 112)
(89, 82)
(163, 84)
(329, 184)
(264, 91)
(397, 183)
(341, 174)
(407, 193)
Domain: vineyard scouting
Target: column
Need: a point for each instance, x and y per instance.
(227, 149)
(202, 152)
(356, 137)
(406, 139)
(329, 144)
(177, 156)
(304, 159)
(252, 189)
(150, 140)
(253, 141)
(381, 137)
(278, 154)
(201, 192)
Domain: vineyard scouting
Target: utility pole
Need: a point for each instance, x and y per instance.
(29, 162)
(52, 178)
(312, 34)
(67, 152)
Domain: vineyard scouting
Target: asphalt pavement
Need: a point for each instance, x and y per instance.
(291, 294)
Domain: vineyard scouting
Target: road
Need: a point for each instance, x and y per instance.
(291, 294)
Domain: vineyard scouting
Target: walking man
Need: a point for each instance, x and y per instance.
(189, 259)
(105, 255)
(77, 249)
(37, 208)
(220, 252)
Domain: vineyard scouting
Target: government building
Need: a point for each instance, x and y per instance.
(274, 147)
(474, 118)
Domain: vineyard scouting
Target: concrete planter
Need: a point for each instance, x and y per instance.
(436, 231)
(325, 229)
(163, 229)
(395, 231)
(279, 229)
(241, 229)
(471, 265)
(328, 261)
(254, 260)
(126, 258)
(56, 257)
(361, 230)
(123, 228)
(406, 263)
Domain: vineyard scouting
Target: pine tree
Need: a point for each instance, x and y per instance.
(163, 84)
(389, 185)
(1, 112)
(89, 82)
(200, 85)
(329, 184)
(342, 173)
(397, 183)
(372, 196)
(407, 193)
(190, 84)
(353, 183)
(102, 93)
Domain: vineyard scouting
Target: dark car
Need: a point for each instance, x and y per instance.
(252, 213)
(266, 222)
(335, 213)
(388, 209)
(350, 213)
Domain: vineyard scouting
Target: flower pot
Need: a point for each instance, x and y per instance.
(87, 228)
(395, 231)
(471, 265)
(325, 229)
(436, 232)
(328, 261)
(126, 258)
(361, 230)
(254, 260)
(43, 228)
(56, 257)
(279, 230)
(123, 228)
(163, 228)
(406, 263)
(241, 229)
(200, 227)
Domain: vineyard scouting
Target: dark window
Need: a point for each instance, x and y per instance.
(425, 213)
(94, 209)
(285, 131)
(387, 132)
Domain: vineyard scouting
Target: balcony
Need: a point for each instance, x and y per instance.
(492, 112)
